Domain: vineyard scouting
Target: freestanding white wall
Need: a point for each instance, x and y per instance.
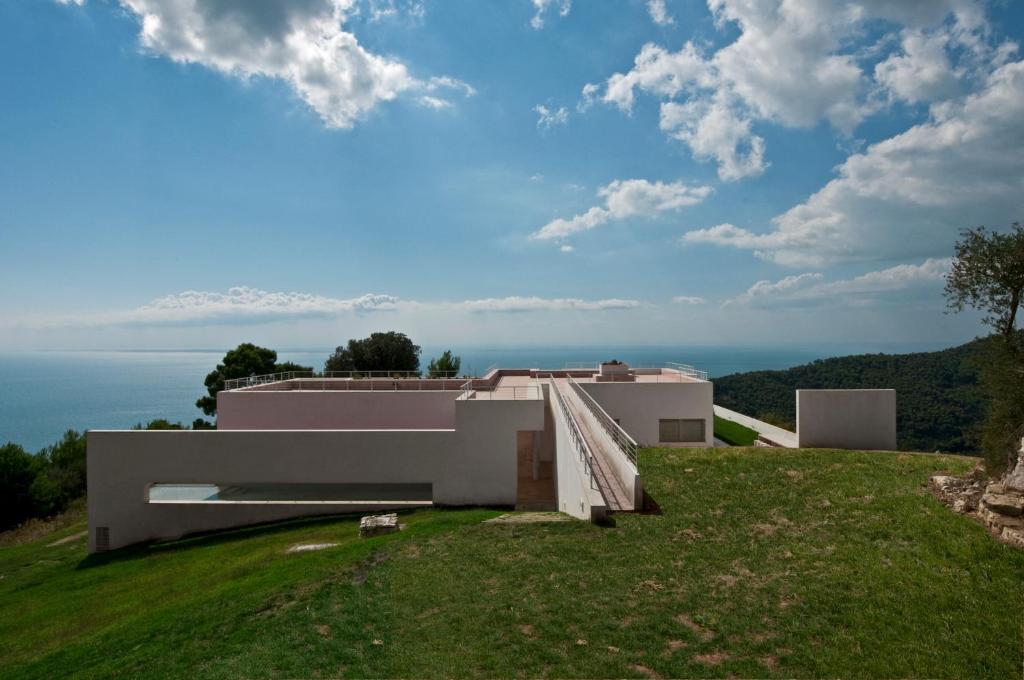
(846, 419)
(473, 464)
(577, 495)
(638, 406)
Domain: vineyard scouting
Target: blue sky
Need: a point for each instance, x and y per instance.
(195, 173)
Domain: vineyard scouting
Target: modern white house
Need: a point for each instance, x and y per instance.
(288, 445)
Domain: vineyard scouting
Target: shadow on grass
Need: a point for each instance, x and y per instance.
(649, 506)
(216, 537)
(231, 535)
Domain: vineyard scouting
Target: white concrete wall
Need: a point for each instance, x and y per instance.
(486, 445)
(473, 464)
(639, 406)
(575, 494)
(335, 410)
(846, 419)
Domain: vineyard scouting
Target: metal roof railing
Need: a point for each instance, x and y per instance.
(626, 444)
(266, 379)
(257, 380)
(513, 392)
(687, 370)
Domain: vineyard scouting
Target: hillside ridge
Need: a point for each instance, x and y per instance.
(940, 401)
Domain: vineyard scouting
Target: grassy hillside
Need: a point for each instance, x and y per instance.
(940, 403)
(763, 562)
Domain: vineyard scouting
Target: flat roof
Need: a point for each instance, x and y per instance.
(497, 378)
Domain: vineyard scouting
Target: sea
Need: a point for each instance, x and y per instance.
(45, 393)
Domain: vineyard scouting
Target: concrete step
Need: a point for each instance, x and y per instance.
(537, 506)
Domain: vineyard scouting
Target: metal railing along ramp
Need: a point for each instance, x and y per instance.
(599, 451)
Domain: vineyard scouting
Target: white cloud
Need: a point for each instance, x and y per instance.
(657, 71)
(546, 118)
(380, 10)
(624, 199)
(435, 103)
(794, 63)
(80, 3)
(539, 304)
(713, 130)
(908, 196)
(811, 288)
(436, 83)
(243, 305)
(922, 72)
(688, 300)
(566, 248)
(659, 13)
(771, 289)
(587, 97)
(541, 7)
(303, 43)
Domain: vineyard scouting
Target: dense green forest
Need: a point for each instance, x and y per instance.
(940, 401)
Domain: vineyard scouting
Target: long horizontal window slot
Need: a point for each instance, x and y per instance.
(291, 494)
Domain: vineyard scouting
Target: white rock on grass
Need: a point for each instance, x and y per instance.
(374, 525)
(310, 547)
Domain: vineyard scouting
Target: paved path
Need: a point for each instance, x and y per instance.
(776, 435)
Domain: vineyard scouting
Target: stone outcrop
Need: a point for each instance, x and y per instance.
(999, 505)
(374, 525)
(960, 493)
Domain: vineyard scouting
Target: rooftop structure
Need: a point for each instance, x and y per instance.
(297, 444)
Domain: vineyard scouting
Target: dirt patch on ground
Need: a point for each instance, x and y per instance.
(362, 571)
(712, 659)
(323, 629)
(673, 646)
(651, 585)
(527, 630)
(697, 629)
(688, 535)
(758, 638)
(68, 539)
(649, 672)
(789, 601)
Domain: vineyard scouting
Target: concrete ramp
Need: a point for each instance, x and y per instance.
(614, 473)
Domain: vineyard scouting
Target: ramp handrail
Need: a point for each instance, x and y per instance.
(626, 444)
(583, 451)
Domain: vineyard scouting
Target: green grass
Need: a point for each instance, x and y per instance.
(763, 562)
(733, 433)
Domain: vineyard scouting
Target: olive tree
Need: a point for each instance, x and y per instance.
(987, 274)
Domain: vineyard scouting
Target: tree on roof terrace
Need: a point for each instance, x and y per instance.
(241, 362)
(391, 352)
